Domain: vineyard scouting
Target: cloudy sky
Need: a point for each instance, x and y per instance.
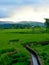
(24, 10)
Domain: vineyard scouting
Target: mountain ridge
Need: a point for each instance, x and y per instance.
(22, 24)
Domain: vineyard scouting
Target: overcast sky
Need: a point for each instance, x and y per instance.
(24, 10)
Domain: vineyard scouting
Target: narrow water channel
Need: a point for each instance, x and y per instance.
(34, 60)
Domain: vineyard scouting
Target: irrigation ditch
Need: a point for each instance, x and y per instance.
(35, 59)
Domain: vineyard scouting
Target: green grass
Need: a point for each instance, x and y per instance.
(7, 48)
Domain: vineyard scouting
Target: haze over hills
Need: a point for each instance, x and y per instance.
(32, 23)
(5, 22)
(21, 24)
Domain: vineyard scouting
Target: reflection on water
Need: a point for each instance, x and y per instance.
(34, 60)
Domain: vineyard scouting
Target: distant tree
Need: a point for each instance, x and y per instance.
(47, 24)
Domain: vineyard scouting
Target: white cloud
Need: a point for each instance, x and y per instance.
(29, 13)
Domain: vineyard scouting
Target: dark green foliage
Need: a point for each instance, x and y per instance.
(47, 25)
